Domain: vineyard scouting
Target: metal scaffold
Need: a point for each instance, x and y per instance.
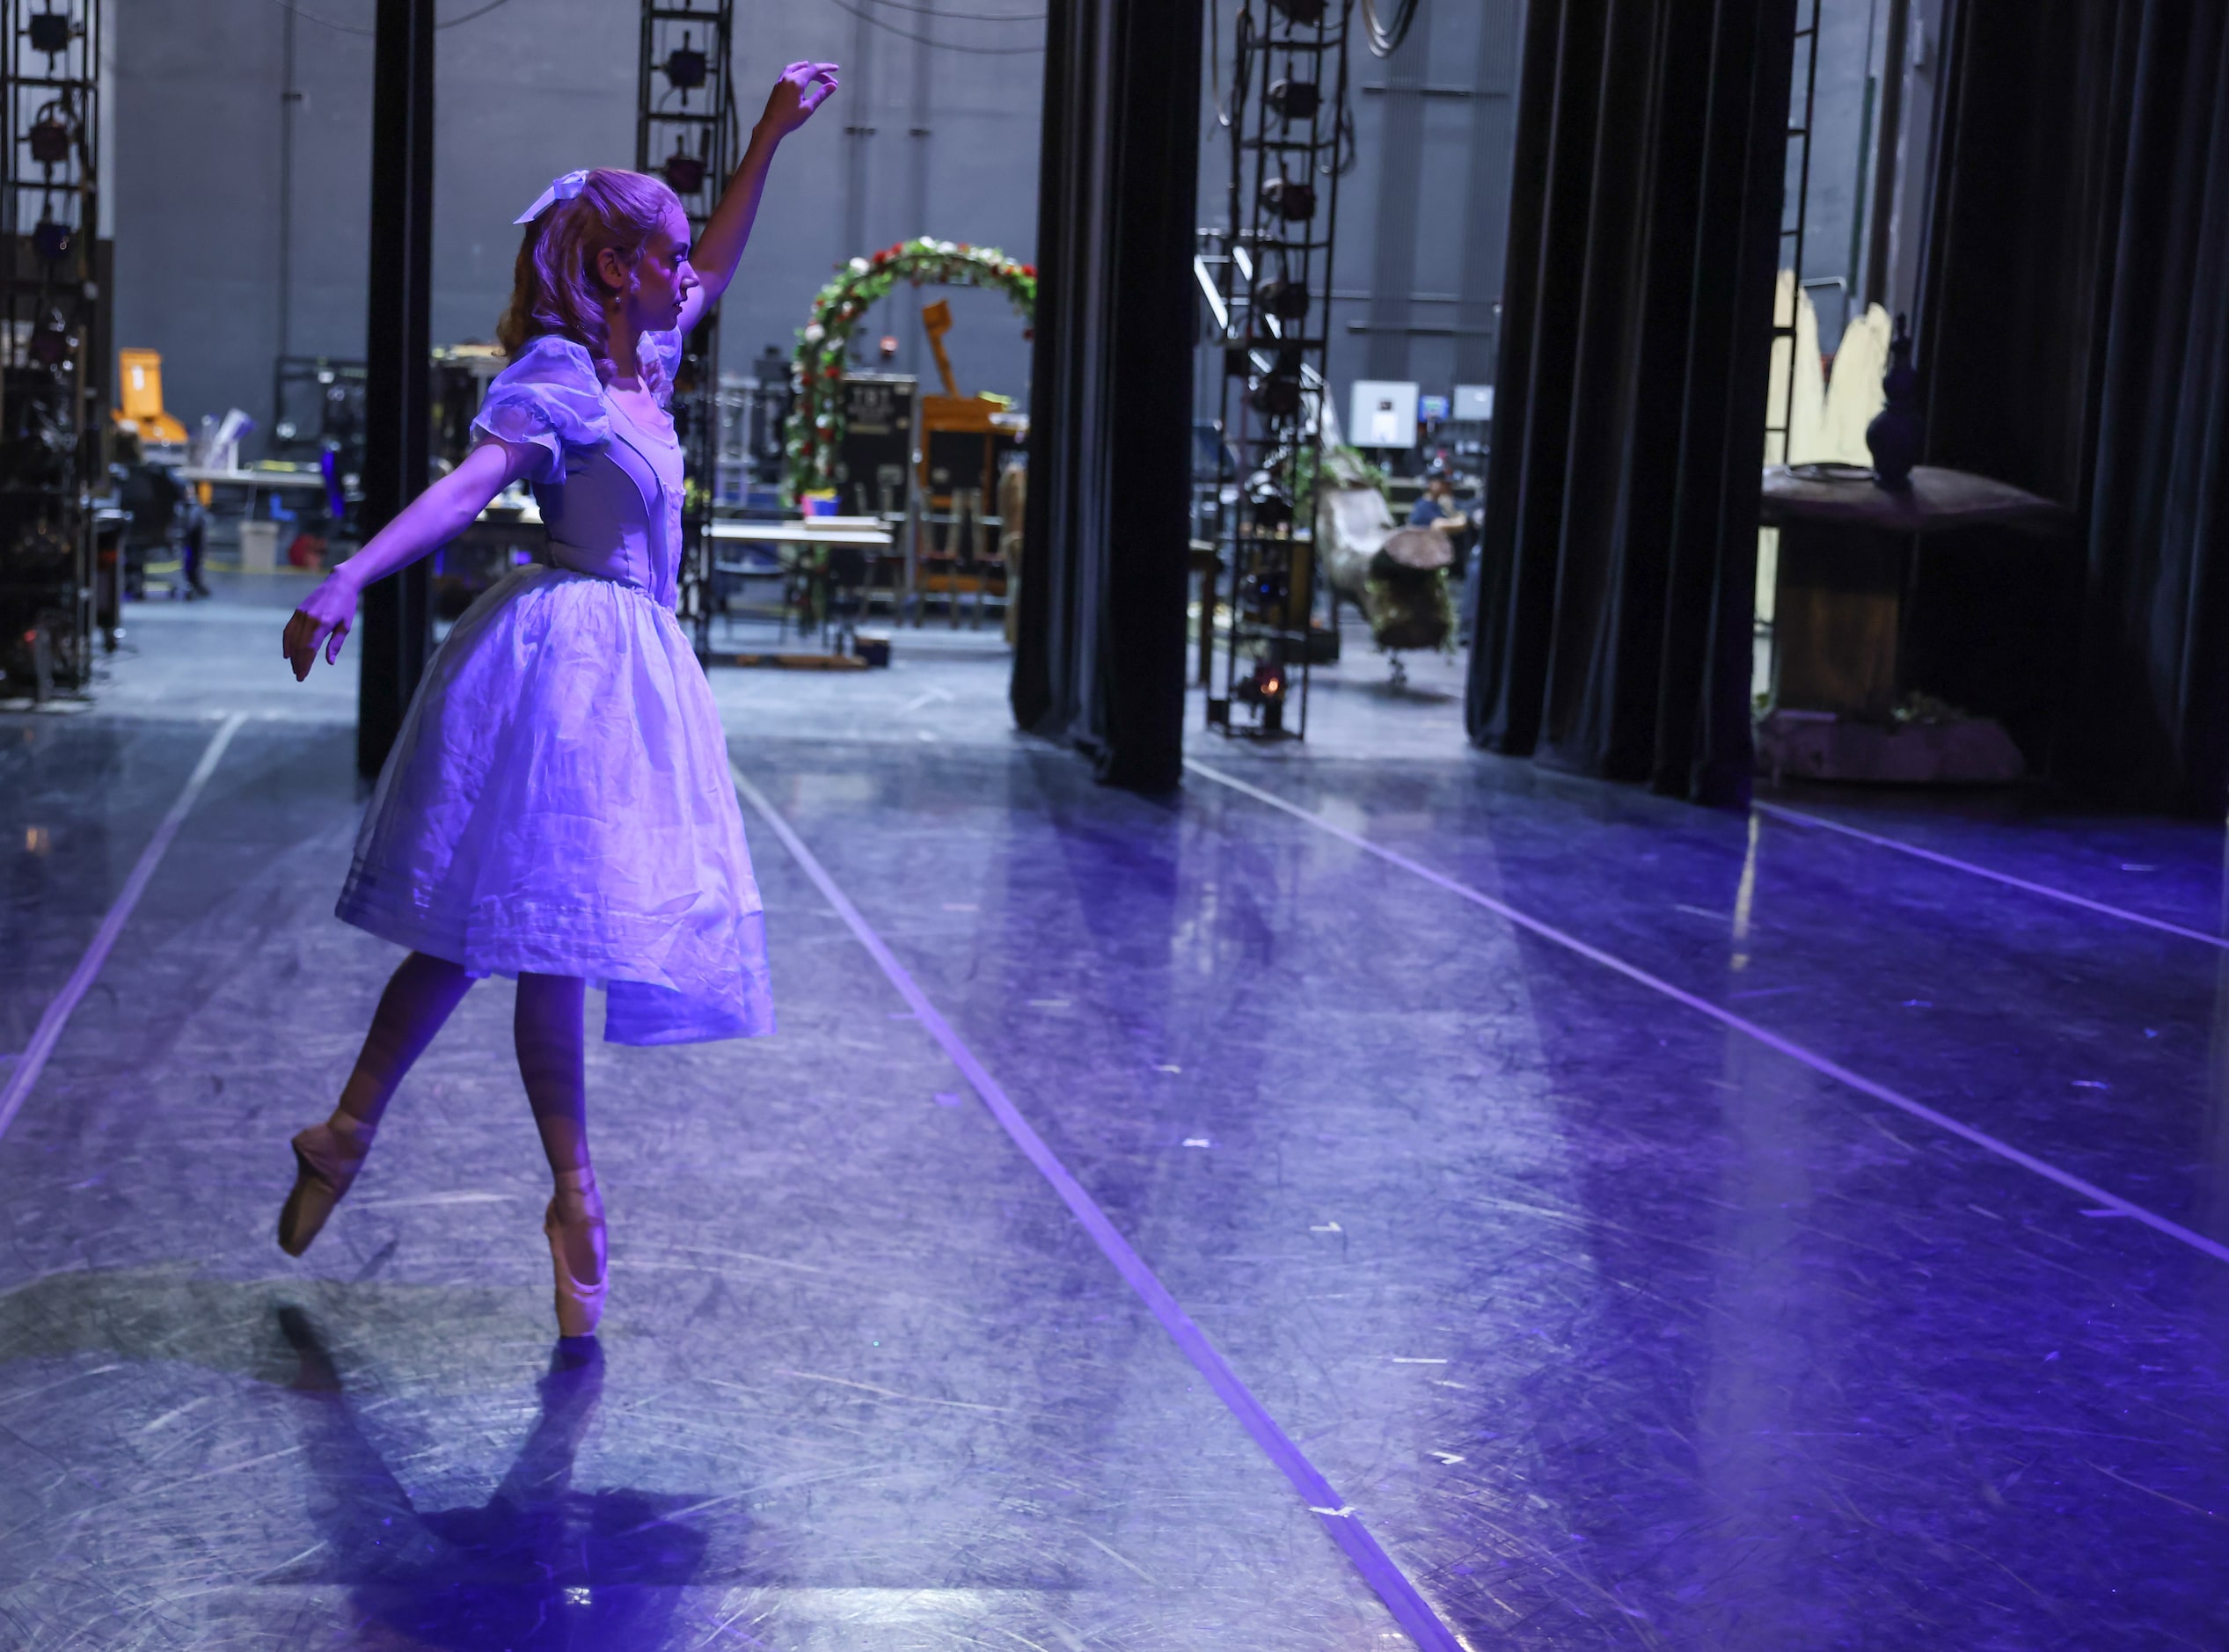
(687, 132)
(53, 388)
(1266, 279)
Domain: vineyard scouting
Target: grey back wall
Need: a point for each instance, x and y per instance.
(938, 139)
(920, 139)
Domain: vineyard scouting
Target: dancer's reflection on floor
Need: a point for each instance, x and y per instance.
(537, 1566)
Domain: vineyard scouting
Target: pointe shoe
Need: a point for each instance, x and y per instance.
(326, 1161)
(580, 1302)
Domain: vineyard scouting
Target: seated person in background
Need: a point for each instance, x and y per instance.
(1438, 509)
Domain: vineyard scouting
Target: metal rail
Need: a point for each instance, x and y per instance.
(54, 381)
(685, 131)
(1267, 283)
(1791, 235)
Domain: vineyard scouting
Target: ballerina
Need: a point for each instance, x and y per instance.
(557, 805)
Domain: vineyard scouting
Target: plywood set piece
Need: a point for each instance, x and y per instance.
(936, 320)
(1937, 499)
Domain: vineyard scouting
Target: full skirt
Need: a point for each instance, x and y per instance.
(559, 802)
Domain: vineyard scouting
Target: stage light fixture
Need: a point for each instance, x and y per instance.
(50, 141)
(50, 344)
(1295, 99)
(684, 172)
(1271, 510)
(1276, 396)
(1290, 198)
(1287, 300)
(686, 67)
(50, 33)
(1305, 13)
(1268, 590)
(51, 240)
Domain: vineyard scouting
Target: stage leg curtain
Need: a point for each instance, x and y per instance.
(1099, 649)
(2074, 339)
(2151, 719)
(1613, 631)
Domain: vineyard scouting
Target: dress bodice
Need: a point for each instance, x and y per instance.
(608, 480)
(617, 514)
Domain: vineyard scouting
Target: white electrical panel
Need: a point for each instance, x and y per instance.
(1385, 414)
(1474, 402)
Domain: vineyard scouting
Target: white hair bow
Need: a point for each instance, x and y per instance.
(562, 188)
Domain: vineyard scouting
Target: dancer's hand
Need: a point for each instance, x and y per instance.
(437, 516)
(324, 617)
(801, 89)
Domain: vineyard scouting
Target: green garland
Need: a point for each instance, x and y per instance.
(815, 429)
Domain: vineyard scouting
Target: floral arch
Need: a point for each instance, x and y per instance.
(815, 429)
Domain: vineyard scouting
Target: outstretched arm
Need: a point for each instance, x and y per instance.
(801, 89)
(434, 518)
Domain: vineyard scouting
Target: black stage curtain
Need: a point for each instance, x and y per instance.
(1613, 630)
(2154, 721)
(1099, 658)
(2075, 339)
(396, 632)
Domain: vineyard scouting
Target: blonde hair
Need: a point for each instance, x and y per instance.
(555, 286)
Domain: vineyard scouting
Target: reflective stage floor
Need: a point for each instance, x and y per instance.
(1422, 1201)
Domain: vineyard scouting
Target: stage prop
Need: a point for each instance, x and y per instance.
(1269, 300)
(1396, 576)
(59, 556)
(1853, 695)
(818, 416)
(929, 463)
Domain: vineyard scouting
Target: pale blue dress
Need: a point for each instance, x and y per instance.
(559, 800)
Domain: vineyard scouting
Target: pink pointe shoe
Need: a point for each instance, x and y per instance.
(326, 1162)
(580, 1302)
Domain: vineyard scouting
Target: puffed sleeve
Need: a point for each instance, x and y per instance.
(548, 398)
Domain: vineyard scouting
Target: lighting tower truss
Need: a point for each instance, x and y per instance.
(1271, 322)
(53, 377)
(686, 132)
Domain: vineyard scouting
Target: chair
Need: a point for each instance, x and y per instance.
(844, 576)
(153, 501)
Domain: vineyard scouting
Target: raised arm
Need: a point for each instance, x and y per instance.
(434, 518)
(801, 89)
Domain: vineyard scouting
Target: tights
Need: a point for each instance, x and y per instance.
(546, 1029)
